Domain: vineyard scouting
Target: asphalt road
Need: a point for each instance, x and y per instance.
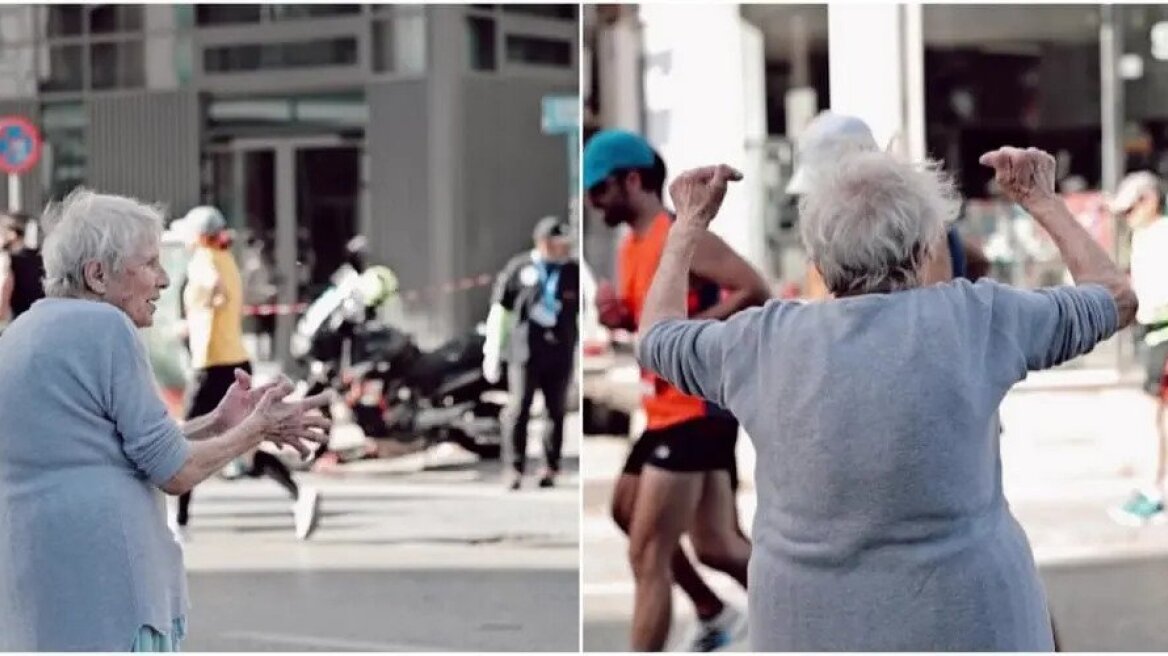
(422, 553)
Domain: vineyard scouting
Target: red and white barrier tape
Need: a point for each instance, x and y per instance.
(464, 284)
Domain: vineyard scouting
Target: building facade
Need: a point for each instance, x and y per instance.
(418, 127)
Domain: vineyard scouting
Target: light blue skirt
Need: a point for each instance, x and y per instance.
(149, 639)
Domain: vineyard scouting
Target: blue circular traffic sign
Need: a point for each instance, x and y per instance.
(20, 144)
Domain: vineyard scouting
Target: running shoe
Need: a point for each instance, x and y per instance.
(1139, 510)
(306, 512)
(717, 633)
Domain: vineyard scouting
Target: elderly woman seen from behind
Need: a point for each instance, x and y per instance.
(86, 560)
(881, 523)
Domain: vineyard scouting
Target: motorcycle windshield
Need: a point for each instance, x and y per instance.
(333, 298)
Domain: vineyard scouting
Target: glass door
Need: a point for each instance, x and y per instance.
(295, 204)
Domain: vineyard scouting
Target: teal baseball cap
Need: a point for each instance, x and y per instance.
(609, 151)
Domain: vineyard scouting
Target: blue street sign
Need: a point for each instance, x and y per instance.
(561, 114)
(20, 144)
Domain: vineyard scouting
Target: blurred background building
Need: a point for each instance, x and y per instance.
(309, 124)
(1085, 82)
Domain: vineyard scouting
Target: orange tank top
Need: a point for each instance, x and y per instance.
(638, 258)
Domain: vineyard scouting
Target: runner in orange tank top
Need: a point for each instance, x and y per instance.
(680, 474)
(664, 404)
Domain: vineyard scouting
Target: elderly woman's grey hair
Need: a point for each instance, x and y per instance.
(870, 221)
(88, 226)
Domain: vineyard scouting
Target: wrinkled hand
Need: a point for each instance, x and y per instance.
(697, 194)
(240, 400)
(291, 424)
(1026, 176)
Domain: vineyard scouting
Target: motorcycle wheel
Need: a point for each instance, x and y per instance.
(489, 449)
(484, 450)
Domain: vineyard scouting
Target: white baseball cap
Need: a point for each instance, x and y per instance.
(1133, 187)
(827, 137)
(202, 221)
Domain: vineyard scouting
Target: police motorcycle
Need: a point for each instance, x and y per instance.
(387, 386)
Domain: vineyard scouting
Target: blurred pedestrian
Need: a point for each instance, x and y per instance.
(22, 280)
(213, 301)
(1139, 202)
(86, 560)
(681, 474)
(828, 138)
(881, 522)
(532, 327)
(260, 288)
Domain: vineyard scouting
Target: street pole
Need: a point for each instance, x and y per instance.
(14, 192)
(1111, 120)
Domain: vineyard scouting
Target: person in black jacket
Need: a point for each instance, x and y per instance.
(23, 283)
(533, 328)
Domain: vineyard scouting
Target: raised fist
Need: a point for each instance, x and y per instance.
(1025, 176)
(697, 194)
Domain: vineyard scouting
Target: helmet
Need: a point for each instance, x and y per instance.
(377, 284)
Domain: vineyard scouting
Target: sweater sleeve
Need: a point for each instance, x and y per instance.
(150, 438)
(1050, 326)
(686, 353)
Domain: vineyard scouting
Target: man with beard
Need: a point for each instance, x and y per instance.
(680, 475)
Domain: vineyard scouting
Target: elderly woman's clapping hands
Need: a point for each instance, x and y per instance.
(288, 423)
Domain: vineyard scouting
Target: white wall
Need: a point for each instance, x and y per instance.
(704, 104)
(874, 59)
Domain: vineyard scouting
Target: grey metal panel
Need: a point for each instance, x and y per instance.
(146, 146)
(514, 174)
(396, 141)
(32, 188)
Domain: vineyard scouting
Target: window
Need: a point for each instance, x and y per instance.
(328, 111)
(558, 12)
(61, 49)
(399, 44)
(538, 51)
(63, 160)
(227, 14)
(293, 12)
(117, 65)
(63, 20)
(65, 69)
(481, 38)
(106, 19)
(300, 54)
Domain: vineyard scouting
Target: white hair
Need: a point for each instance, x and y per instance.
(87, 226)
(870, 221)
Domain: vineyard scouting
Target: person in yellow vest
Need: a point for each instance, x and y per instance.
(213, 301)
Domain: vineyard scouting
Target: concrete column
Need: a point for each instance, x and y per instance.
(447, 66)
(704, 105)
(618, 68)
(875, 59)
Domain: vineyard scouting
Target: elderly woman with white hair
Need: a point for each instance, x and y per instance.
(87, 447)
(881, 523)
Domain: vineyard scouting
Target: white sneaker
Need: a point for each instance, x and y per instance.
(718, 632)
(182, 534)
(306, 511)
